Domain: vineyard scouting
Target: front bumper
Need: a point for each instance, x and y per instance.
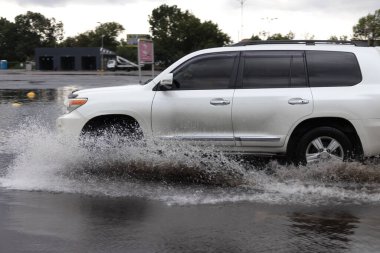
(71, 124)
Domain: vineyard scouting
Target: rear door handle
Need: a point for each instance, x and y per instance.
(219, 101)
(298, 101)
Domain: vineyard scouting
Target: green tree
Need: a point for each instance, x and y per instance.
(127, 51)
(176, 33)
(255, 37)
(106, 32)
(8, 36)
(48, 31)
(368, 27)
(279, 36)
(35, 30)
(335, 38)
(29, 30)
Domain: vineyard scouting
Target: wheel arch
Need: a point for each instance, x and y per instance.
(339, 123)
(101, 120)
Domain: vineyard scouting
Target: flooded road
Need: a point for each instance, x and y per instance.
(164, 197)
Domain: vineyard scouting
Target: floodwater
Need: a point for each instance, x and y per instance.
(164, 197)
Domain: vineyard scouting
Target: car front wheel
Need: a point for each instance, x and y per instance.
(113, 133)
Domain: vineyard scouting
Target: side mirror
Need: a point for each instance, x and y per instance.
(167, 82)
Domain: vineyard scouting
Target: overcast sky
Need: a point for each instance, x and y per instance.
(321, 18)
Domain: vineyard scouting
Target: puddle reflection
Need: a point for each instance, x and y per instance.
(322, 231)
(18, 97)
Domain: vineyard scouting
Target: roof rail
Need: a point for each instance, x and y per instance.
(306, 42)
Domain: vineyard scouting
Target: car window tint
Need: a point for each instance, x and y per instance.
(270, 71)
(212, 71)
(332, 69)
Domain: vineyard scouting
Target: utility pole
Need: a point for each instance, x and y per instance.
(241, 34)
(102, 51)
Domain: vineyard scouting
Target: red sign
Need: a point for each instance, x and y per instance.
(146, 54)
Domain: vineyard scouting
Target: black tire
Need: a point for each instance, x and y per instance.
(324, 138)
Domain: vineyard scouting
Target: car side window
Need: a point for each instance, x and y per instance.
(206, 72)
(273, 69)
(332, 69)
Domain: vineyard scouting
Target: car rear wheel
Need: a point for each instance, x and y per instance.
(323, 144)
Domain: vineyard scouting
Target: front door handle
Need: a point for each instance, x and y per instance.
(298, 101)
(219, 101)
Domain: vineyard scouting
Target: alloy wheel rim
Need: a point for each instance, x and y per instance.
(324, 148)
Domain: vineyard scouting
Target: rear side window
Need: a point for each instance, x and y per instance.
(328, 68)
(273, 69)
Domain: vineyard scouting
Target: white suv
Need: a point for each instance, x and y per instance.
(309, 101)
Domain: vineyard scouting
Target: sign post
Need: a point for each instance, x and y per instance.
(145, 54)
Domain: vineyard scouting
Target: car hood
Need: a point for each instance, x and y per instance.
(108, 90)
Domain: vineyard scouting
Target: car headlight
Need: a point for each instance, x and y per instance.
(74, 103)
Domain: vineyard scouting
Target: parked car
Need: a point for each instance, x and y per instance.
(307, 100)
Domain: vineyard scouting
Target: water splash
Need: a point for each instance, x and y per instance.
(177, 173)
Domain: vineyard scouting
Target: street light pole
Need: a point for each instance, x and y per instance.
(101, 54)
(242, 2)
(101, 50)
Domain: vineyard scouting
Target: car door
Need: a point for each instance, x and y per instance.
(198, 108)
(271, 96)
